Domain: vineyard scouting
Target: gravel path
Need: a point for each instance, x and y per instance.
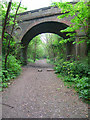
(41, 95)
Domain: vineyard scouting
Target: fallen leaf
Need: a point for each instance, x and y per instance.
(58, 88)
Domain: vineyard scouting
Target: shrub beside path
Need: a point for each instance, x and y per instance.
(40, 94)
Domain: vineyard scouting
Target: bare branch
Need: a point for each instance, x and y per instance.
(15, 17)
(11, 35)
(5, 22)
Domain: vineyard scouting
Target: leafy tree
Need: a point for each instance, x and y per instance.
(75, 73)
(54, 49)
(80, 21)
(35, 49)
(7, 40)
(10, 65)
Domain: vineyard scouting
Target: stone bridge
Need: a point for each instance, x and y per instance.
(43, 20)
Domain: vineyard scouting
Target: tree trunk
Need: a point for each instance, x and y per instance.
(35, 50)
(8, 51)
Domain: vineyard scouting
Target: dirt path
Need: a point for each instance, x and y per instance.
(41, 95)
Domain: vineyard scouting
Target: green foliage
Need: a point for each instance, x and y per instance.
(73, 68)
(80, 13)
(49, 48)
(10, 49)
(35, 49)
(75, 75)
(54, 49)
(10, 22)
(81, 85)
(13, 70)
(13, 65)
(30, 60)
(14, 5)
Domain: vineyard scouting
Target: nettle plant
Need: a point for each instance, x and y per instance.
(80, 21)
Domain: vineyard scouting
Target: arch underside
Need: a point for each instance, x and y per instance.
(45, 27)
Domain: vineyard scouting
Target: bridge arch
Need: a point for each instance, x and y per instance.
(45, 27)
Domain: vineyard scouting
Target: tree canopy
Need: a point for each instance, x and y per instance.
(80, 20)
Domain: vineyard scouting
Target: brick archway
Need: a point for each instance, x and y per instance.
(44, 27)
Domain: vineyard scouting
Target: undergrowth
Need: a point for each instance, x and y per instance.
(12, 71)
(30, 60)
(75, 74)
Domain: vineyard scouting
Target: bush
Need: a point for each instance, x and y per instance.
(30, 60)
(13, 65)
(75, 75)
(82, 87)
(72, 68)
(13, 70)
